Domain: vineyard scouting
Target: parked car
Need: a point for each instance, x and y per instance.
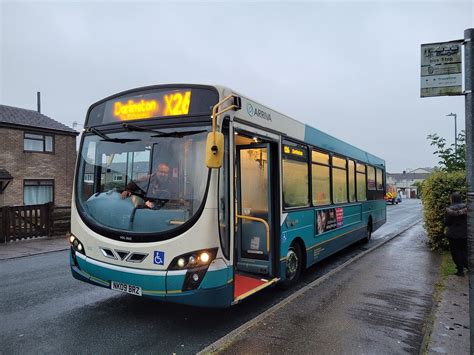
(399, 198)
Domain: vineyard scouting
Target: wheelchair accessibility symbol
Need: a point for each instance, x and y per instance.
(159, 258)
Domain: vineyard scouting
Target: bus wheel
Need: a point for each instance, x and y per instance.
(294, 264)
(368, 235)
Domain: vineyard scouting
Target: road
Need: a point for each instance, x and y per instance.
(44, 310)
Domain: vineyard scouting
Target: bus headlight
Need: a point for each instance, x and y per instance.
(196, 259)
(77, 245)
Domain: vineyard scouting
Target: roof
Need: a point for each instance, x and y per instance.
(5, 175)
(420, 171)
(408, 176)
(22, 117)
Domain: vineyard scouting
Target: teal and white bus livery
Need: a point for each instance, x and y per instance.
(229, 196)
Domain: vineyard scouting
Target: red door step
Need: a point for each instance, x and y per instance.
(244, 284)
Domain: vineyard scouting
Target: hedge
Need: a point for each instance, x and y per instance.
(435, 192)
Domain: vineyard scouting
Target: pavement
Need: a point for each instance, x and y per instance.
(389, 309)
(450, 332)
(22, 248)
(389, 301)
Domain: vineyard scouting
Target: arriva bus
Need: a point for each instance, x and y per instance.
(198, 195)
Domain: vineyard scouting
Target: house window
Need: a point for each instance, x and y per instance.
(37, 192)
(89, 178)
(118, 177)
(38, 143)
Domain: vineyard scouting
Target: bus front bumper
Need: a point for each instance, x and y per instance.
(215, 290)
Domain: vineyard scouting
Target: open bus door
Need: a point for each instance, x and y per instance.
(256, 215)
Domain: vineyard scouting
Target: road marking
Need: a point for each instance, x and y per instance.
(233, 334)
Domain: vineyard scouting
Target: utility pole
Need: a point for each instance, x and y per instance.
(469, 82)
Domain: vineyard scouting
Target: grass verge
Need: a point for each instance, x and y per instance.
(446, 268)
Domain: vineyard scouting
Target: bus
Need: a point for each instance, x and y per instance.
(249, 197)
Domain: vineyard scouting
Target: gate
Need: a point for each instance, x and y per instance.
(21, 222)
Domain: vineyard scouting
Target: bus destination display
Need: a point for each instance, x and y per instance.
(152, 105)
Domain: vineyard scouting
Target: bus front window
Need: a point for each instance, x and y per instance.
(142, 182)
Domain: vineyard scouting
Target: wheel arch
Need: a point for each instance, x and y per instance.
(298, 240)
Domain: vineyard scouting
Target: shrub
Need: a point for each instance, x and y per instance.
(435, 193)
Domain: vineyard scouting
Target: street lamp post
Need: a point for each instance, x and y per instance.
(455, 131)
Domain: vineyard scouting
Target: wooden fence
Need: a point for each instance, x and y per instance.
(24, 222)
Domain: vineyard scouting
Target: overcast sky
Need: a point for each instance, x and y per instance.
(351, 69)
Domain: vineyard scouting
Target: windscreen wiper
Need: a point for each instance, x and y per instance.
(132, 127)
(179, 134)
(106, 138)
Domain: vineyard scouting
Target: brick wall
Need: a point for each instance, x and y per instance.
(58, 166)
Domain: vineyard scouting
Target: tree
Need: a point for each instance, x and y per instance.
(450, 158)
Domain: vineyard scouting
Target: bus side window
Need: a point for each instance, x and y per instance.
(295, 175)
(371, 178)
(361, 182)
(339, 180)
(352, 183)
(321, 182)
(380, 183)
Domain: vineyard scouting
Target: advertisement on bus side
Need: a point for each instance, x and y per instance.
(329, 219)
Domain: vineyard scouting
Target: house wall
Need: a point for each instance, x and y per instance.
(58, 166)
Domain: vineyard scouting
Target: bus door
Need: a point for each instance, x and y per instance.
(255, 218)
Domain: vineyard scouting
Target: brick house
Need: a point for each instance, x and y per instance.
(38, 154)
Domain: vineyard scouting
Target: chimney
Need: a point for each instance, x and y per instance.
(38, 100)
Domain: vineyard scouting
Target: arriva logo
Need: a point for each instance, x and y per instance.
(257, 112)
(250, 109)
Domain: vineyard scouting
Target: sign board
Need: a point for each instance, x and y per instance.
(441, 69)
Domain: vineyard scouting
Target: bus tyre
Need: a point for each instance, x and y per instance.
(294, 264)
(368, 235)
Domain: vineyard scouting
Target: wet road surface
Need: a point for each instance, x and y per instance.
(43, 309)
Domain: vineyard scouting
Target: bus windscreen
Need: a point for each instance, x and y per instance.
(157, 103)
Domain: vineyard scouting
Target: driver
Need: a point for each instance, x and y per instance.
(159, 186)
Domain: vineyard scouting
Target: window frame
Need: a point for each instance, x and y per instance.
(310, 148)
(116, 175)
(354, 177)
(286, 141)
(365, 180)
(377, 180)
(337, 156)
(39, 184)
(329, 154)
(367, 177)
(44, 135)
(91, 180)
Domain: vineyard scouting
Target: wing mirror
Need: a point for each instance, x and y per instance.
(214, 149)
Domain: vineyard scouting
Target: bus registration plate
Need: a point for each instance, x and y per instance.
(131, 289)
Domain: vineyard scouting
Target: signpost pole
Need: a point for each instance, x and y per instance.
(469, 82)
